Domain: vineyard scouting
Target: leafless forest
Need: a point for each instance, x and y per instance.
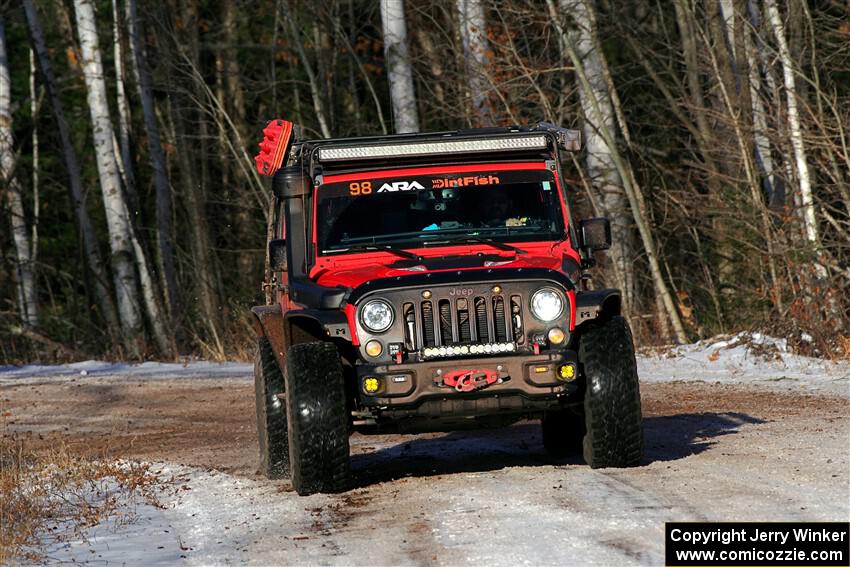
(134, 224)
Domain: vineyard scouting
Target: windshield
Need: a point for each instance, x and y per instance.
(420, 210)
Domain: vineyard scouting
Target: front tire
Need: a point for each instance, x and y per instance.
(272, 429)
(614, 436)
(318, 419)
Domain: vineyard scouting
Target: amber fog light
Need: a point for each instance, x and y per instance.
(556, 336)
(372, 385)
(374, 348)
(567, 372)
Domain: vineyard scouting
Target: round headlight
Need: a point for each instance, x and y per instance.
(547, 304)
(377, 316)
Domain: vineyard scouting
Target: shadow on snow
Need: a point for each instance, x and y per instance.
(666, 438)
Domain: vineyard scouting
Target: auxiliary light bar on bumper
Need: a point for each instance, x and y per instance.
(490, 348)
(428, 148)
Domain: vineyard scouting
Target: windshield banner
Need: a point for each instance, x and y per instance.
(436, 181)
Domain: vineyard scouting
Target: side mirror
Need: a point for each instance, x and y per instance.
(277, 256)
(595, 234)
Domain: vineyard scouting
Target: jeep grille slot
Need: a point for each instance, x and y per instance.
(500, 322)
(464, 329)
(409, 314)
(482, 334)
(428, 335)
(516, 319)
(446, 334)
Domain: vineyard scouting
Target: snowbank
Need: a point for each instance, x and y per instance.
(746, 358)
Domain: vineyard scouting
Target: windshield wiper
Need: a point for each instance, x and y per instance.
(491, 242)
(372, 248)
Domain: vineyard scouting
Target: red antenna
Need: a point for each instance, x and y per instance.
(276, 137)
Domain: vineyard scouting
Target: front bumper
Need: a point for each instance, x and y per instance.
(521, 379)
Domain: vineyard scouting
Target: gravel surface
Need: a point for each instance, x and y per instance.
(714, 451)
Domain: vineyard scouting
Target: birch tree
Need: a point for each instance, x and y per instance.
(599, 112)
(91, 251)
(762, 149)
(26, 292)
(117, 217)
(124, 118)
(803, 176)
(399, 69)
(476, 54)
(125, 247)
(600, 165)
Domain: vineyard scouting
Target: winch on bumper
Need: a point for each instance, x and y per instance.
(469, 385)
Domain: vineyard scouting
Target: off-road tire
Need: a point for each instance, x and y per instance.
(271, 413)
(318, 419)
(563, 432)
(613, 437)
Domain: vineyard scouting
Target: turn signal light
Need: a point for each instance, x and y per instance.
(374, 348)
(556, 336)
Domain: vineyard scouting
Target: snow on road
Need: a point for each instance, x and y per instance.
(729, 436)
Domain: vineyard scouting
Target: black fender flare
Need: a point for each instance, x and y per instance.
(298, 326)
(597, 304)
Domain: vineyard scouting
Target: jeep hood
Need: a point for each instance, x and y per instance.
(353, 270)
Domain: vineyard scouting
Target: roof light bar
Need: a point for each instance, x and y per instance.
(413, 149)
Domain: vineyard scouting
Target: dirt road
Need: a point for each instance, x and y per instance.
(713, 452)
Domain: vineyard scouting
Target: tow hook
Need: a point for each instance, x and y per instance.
(470, 380)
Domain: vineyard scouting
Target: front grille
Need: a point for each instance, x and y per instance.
(454, 321)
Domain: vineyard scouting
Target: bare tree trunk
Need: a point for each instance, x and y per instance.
(796, 131)
(601, 169)
(592, 95)
(203, 263)
(117, 218)
(349, 42)
(399, 70)
(164, 227)
(75, 184)
(35, 104)
(773, 185)
(318, 107)
(27, 300)
(476, 53)
(124, 245)
(435, 65)
(124, 118)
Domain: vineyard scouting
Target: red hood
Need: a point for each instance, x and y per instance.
(352, 270)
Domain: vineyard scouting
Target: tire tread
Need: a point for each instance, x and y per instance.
(318, 419)
(614, 435)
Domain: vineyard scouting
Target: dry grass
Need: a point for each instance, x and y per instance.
(54, 496)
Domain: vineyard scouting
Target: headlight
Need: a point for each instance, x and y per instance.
(547, 304)
(377, 316)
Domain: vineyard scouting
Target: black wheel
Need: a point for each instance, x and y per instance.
(271, 413)
(318, 419)
(563, 431)
(614, 437)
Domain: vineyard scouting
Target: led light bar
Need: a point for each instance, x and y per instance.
(489, 348)
(413, 149)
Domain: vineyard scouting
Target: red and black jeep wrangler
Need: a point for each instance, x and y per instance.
(428, 282)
